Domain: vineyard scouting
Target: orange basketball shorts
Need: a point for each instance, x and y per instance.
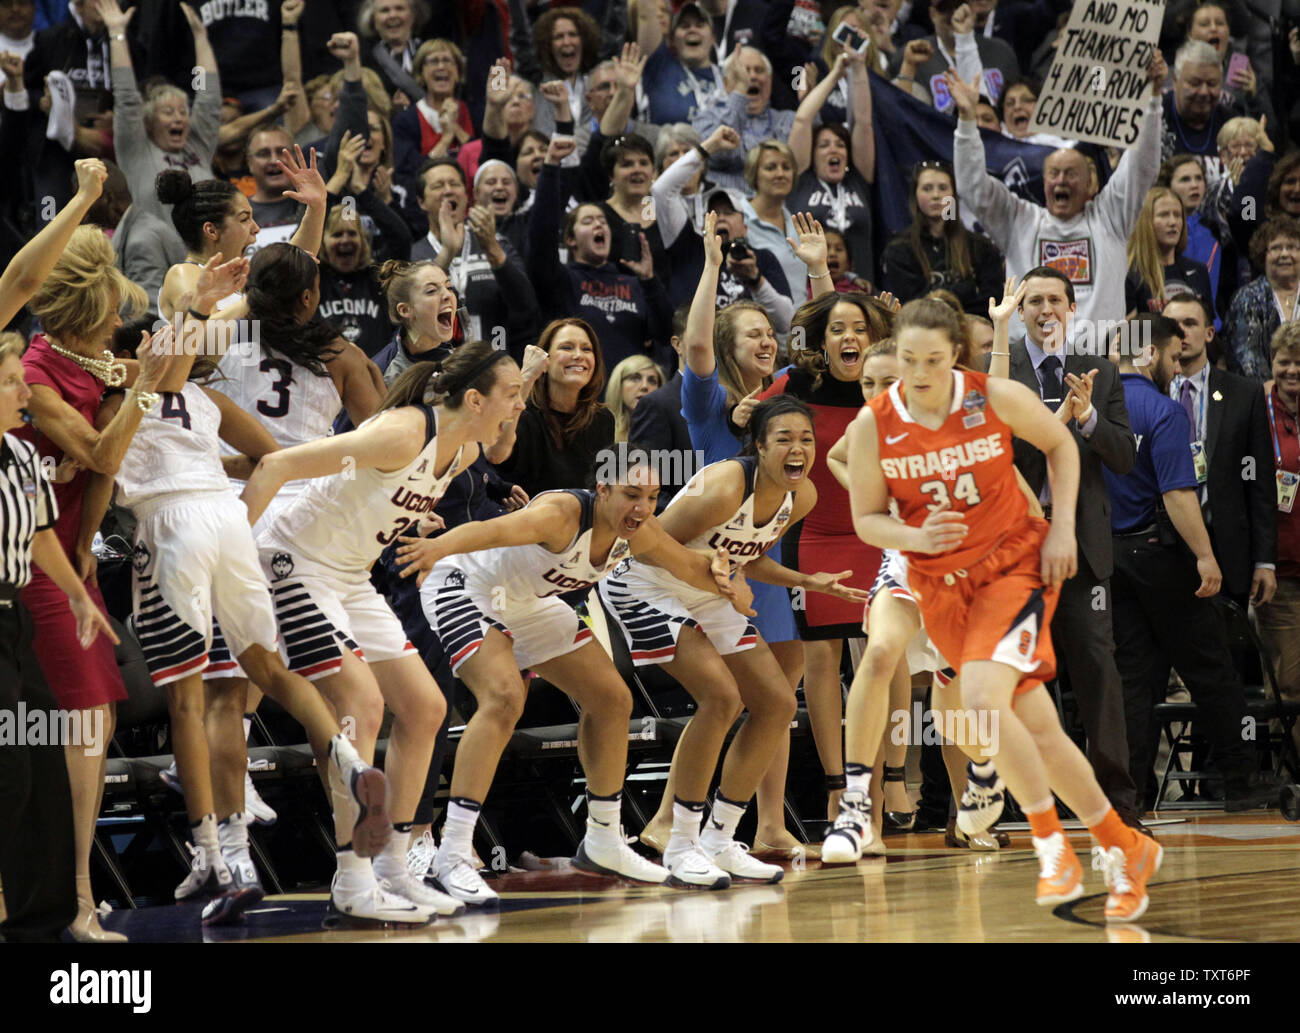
(998, 610)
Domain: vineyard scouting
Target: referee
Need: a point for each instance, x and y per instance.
(1165, 576)
(36, 837)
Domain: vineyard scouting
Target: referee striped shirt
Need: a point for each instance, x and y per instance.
(26, 506)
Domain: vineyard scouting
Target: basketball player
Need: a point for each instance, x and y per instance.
(195, 558)
(744, 506)
(986, 575)
(490, 598)
(370, 486)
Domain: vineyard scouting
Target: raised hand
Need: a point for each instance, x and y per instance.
(964, 94)
(712, 242)
(1265, 144)
(308, 187)
(963, 20)
(498, 83)
(557, 92)
(91, 175)
(451, 231)
(724, 138)
(155, 357)
(218, 279)
(116, 20)
(12, 66)
(197, 28)
(628, 67)
(645, 266)
(534, 365)
(810, 248)
(291, 11)
(1012, 295)
(943, 530)
(483, 224)
(1081, 391)
(829, 584)
(350, 148)
(560, 148)
(916, 53)
(345, 46)
(1157, 71)
(889, 301)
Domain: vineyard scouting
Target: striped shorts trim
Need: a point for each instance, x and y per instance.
(172, 649)
(459, 623)
(313, 645)
(892, 577)
(221, 664)
(651, 634)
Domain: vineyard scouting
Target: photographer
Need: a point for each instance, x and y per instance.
(748, 273)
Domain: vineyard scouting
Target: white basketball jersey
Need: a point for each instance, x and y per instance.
(175, 450)
(740, 536)
(292, 403)
(343, 522)
(533, 571)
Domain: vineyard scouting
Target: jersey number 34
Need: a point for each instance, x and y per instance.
(963, 490)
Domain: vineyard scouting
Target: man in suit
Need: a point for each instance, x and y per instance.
(1081, 630)
(657, 423)
(1232, 453)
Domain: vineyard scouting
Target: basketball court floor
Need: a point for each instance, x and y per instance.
(1225, 878)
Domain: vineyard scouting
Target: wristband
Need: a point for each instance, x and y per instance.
(702, 152)
(199, 315)
(118, 37)
(819, 276)
(288, 28)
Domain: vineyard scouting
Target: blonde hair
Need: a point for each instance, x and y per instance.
(755, 155)
(614, 390)
(85, 289)
(432, 46)
(336, 216)
(1143, 251)
(831, 49)
(724, 348)
(11, 343)
(1236, 128)
(156, 98)
(1286, 338)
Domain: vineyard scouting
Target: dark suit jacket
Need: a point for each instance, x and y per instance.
(1112, 443)
(657, 424)
(1243, 508)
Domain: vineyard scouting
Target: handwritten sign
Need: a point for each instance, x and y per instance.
(1097, 89)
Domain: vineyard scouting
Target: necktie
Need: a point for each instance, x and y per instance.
(1050, 374)
(1186, 395)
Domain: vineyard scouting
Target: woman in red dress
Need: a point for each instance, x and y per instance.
(835, 331)
(77, 299)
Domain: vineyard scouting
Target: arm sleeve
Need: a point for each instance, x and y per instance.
(1112, 437)
(726, 109)
(391, 227)
(969, 65)
(591, 183)
(702, 398)
(498, 148)
(521, 43)
(542, 262)
(651, 426)
(1262, 489)
(670, 211)
(779, 306)
(522, 316)
(130, 142)
(1250, 196)
(902, 274)
(205, 124)
(1120, 200)
(351, 117)
(406, 145)
(659, 310)
(990, 272)
(1170, 455)
(996, 207)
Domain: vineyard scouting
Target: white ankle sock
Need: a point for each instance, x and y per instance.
(721, 826)
(392, 860)
(605, 814)
(858, 784)
(686, 820)
(458, 833)
(204, 834)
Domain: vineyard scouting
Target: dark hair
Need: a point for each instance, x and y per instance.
(1286, 165)
(835, 129)
(430, 164)
(571, 220)
(126, 338)
(1188, 298)
(113, 201)
(194, 204)
(1052, 273)
(1033, 85)
(765, 412)
(1165, 177)
(562, 427)
(277, 277)
(680, 315)
(587, 28)
(813, 317)
(1163, 329)
(1275, 226)
(956, 238)
(613, 150)
(471, 367)
(619, 458)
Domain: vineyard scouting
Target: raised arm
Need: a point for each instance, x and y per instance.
(544, 226)
(697, 338)
(993, 203)
(309, 190)
(1120, 200)
(810, 249)
(495, 98)
(805, 117)
(1000, 313)
(648, 33)
(298, 114)
(863, 135)
(627, 74)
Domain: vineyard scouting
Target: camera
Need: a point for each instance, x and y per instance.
(738, 250)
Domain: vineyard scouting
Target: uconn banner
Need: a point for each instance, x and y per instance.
(909, 131)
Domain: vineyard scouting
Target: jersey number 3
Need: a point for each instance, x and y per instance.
(284, 374)
(964, 490)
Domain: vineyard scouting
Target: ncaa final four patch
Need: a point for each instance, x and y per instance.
(974, 404)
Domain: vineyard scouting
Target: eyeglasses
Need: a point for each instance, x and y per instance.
(942, 166)
(1283, 247)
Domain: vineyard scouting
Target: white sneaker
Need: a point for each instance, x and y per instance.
(981, 805)
(689, 865)
(404, 884)
(852, 833)
(419, 859)
(734, 859)
(456, 877)
(254, 806)
(607, 853)
(208, 874)
(359, 793)
(374, 900)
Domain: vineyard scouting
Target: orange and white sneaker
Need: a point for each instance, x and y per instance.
(1127, 873)
(1060, 876)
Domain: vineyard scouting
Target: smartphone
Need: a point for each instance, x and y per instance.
(1237, 63)
(849, 37)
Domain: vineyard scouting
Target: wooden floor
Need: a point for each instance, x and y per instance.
(1224, 878)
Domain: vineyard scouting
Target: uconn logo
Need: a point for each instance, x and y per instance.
(736, 548)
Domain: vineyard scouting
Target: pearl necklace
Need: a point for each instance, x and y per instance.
(108, 369)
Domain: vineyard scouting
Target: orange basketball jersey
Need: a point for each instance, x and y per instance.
(967, 462)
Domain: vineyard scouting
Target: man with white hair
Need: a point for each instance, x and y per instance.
(747, 108)
(1197, 107)
(1084, 238)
